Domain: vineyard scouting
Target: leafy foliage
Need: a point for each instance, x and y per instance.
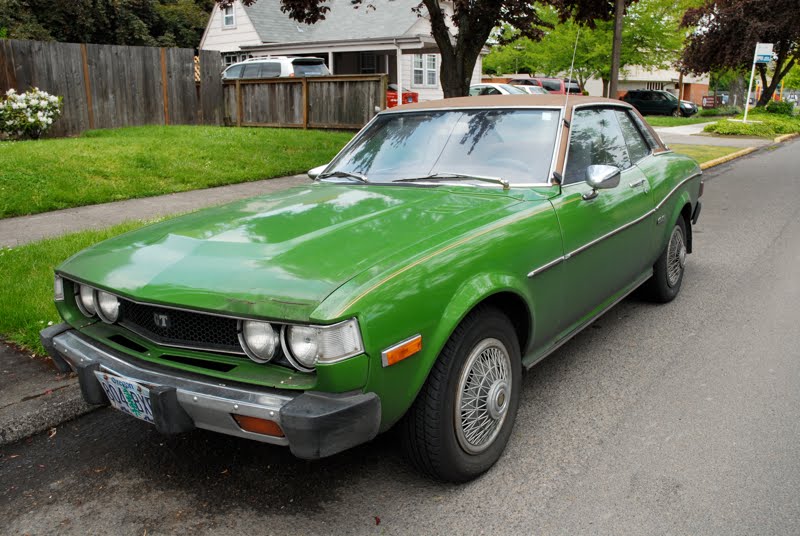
(727, 33)
(28, 114)
(651, 38)
(781, 108)
(117, 22)
(762, 125)
(722, 110)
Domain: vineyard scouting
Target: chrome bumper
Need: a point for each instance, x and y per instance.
(315, 424)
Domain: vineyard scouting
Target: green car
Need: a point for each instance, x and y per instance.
(446, 247)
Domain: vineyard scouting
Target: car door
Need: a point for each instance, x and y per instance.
(605, 237)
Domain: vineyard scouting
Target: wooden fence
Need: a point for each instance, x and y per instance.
(107, 86)
(340, 102)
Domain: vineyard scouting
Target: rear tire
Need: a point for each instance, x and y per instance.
(462, 418)
(670, 266)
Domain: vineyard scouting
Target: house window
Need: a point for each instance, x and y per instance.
(369, 63)
(228, 17)
(230, 59)
(425, 69)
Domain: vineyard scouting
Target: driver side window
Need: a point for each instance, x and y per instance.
(595, 139)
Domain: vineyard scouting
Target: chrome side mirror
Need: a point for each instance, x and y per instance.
(314, 173)
(601, 177)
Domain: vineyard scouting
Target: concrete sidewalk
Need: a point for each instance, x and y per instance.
(18, 231)
(694, 135)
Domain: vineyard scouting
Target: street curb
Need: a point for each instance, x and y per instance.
(727, 158)
(44, 412)
(785, 137)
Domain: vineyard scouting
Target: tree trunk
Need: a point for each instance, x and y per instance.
(456, 76)
(605, 86)
(616, 47)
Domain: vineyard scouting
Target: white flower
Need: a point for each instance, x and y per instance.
(10, 92)
(31, 120)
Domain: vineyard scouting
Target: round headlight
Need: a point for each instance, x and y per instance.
(85, 300)
(259, 340)
(303, 342)
(107, 307)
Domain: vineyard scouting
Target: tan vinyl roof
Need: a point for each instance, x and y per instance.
(508, 100)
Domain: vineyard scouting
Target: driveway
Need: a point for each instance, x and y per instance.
(694, 135)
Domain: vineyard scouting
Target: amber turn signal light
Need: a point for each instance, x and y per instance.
(401, 350)
(258, 425)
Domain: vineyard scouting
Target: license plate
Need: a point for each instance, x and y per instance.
(127, 395)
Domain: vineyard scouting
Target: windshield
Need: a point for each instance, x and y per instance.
(516, 145)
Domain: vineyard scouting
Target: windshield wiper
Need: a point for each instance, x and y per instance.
(343, 175)
(447, 176)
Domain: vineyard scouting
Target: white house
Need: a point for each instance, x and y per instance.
(384, 36)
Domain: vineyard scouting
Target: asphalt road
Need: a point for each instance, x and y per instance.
(675, 419)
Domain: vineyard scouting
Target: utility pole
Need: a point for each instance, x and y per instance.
(616, 47)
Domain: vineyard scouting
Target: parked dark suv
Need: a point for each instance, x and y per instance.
(658, 102)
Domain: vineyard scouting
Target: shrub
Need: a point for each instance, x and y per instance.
(28, 114)
(722, 110)
(782, 108)
(760, 124)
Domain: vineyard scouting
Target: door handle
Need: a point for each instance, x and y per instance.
(638, 183)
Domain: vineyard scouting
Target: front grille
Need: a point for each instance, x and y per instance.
(185, 329)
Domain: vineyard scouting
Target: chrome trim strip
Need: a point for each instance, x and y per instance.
(544, 267)
(566, 338)
(384, 353)
(684, 181)
(208, 404)
(554, 262)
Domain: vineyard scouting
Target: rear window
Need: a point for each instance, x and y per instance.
(315, 67)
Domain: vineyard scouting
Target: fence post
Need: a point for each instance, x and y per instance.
(305, 102)
(87, 84)
(164, 91)
(238, 103)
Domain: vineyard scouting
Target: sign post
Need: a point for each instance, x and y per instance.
(763, 54)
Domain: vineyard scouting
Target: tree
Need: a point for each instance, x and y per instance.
(472, 21)
(727, 33)
(651, 37)
(115, 22)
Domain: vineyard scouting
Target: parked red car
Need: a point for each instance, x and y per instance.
(557, 86)
(391, 96)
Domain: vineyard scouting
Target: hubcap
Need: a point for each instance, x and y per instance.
(484, 394)
(676, 257)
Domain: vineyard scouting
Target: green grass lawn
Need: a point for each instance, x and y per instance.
(703, 153)
(111, 165)
(669, 121)
(26, 298)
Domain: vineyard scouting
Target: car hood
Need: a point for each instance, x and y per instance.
(279, 256)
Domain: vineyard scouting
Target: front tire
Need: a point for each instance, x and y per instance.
(670, 266)
(462, 418)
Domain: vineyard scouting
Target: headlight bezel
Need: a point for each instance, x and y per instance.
(326, 353)
(79, 300)
(241, 329)
(101, 313)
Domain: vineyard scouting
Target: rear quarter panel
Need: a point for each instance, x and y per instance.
(675, 183)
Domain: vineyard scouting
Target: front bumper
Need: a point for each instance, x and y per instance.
(314, 424)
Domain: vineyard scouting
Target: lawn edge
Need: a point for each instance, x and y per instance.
(727, 158)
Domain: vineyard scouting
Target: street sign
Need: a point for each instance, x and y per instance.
(763, 52)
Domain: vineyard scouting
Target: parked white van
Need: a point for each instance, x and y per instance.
(276, 67)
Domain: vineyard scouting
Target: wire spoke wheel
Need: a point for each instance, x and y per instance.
(484, 395)
(676, 256)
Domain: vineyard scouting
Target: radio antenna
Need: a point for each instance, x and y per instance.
(564, 123)
(571, 68)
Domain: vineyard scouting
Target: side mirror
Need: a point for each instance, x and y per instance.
(314, 173)
(601, 177)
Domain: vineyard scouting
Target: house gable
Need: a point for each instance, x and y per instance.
(243, 33)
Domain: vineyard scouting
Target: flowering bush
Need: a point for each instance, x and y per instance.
(28, 114)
